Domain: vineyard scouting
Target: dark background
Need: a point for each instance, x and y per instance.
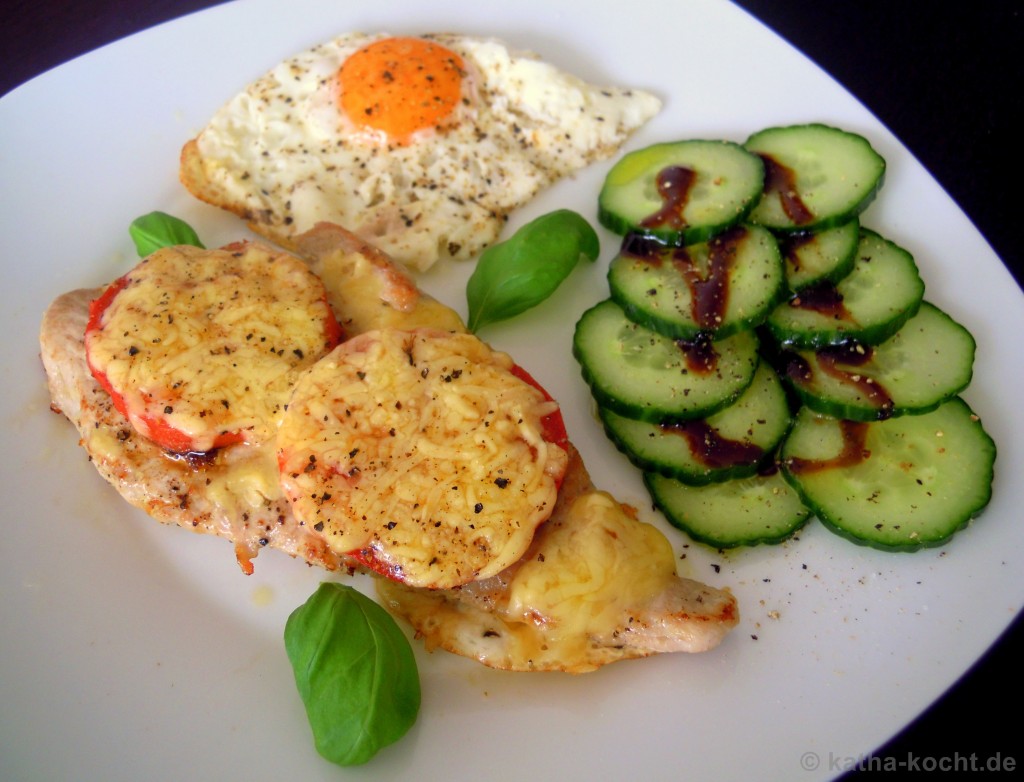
(943, 77)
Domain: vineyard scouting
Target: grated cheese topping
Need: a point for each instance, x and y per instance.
(421, 450)
(572, 605)
(591, 574)
(211, 341)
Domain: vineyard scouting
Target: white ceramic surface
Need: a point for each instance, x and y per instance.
(133, 651)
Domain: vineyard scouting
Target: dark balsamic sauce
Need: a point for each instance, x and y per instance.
(699, 353)
(824, 298)
(841, 362)
(709, 290)
(833, 360)
(854, 451)
(780, 179)
(791, 245)
(643, 248)
(709, 293)
(674, 184)
(796, 367)
(711, 449)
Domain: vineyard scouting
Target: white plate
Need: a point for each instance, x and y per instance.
(134, 651)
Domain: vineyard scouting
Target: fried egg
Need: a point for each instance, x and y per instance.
(420, 145)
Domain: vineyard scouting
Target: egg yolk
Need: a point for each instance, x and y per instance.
(399, 86)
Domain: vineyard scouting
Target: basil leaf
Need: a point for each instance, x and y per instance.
(159, 229)
(355, 671)
(517, 274)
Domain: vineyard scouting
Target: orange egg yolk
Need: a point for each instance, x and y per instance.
(399, 86)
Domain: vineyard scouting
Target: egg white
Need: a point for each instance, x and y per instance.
(284, 154)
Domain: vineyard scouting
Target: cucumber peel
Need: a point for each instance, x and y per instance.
(898, 485)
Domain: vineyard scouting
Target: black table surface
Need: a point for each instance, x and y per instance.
(942, 77)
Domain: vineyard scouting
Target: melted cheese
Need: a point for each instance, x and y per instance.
(211, 341)
(374, 294)
(423, 449)
(571, 604)
(245, 479)
(104, 444)
(590, 574)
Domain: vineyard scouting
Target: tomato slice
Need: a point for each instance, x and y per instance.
(368, 558)
(152, 425)
(553, 424)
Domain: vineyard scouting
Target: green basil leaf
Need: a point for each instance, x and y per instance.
(159, 229)
(517, 274)
(355, 671)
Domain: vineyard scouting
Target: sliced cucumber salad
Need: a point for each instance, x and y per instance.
(879, 293)
(925, 363)
(681, 192)
(734, 443)
(901, 484)
(816, 176)
(825, 256)
(644, 375)
(738, 512)
(717, 293)
(717, 288)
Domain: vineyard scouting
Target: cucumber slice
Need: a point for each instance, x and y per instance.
(681, 192)
(816, 176)
(899, 485)
(727, 284)
(825, 256)
(928, 361)
(742, 512)
(641, 374)
(732, 443)
(869, 304)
